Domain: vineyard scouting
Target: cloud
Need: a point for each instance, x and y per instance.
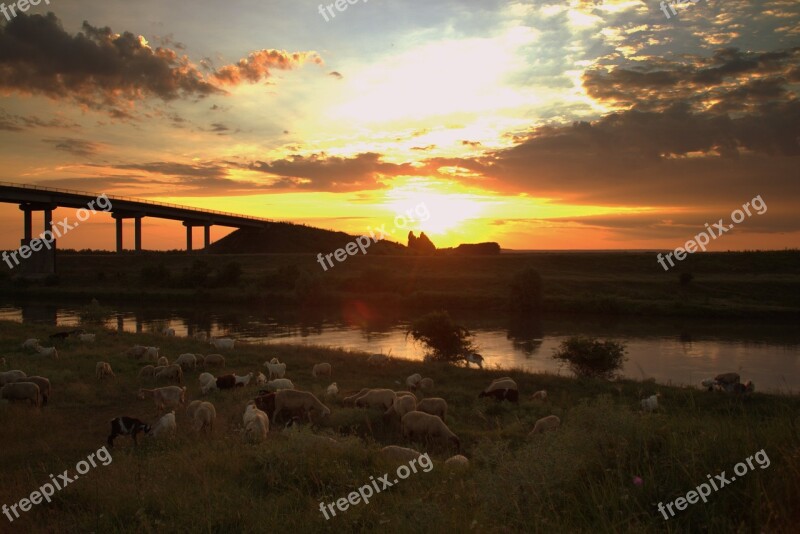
(18, 123)
(76, 147)
(257, 66)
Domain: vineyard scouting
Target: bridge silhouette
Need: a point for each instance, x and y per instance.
(46, 199)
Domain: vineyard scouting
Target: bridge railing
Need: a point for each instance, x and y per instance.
(133, 199)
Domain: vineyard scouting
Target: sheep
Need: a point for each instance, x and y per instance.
(502, 389)
(266, 403)
(166, 397)
(405, 394)
(87, 338)
(8, 377)
(474, 357)
(169, 332)
(201, 360)
(290, 399)
(400, 454)
(222, 343)
(539, 395)
(22, 391)
(204, 414)
(187, 361)
(31, 344)
(226, 381)
(378, 360)
(215, 360)
(151, 353)
(377, 398)
(650, 403)
(279, 384)
(413, 380)
(103, 370)
(171, 372)
(426, 384)
(427, 426)
(332, 390)
(207, 382)
(255, 431)
(164, 427)
(126, 426)
(274, 360)
(158, 369)
(457, 462)
(251, 411)
(162, 361)
(275, 370)
(261, 380)
(192, 408)
(48, 351)
(148, 371)
(137, 351)
(401, 406)
(434, 406)
(242, 381)
(321, 369)
(551, 422)
(44, 386)
(351, 400)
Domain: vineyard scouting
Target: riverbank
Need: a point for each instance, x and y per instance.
(724, 285)
(577, 479)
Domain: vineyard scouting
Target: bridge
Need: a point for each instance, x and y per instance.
(46, 199)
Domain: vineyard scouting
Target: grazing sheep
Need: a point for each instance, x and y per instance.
(434, 406)
(421, 424)
(650, 403)
(22, 391)
(172, 372)
(457, 462)
(170, 332)
(103, 370)
(203, 414)
(402, 406)
(405, 394)
(351, 400)
(261, 380)
(551, 422)
(242, 381)
(502, 389)
(148, 371)
(378, 360)
(165, 427)
(274, 360)
(158, 369)
(201, 360)
(137, 351)
(126, 426)
(48, 351)
(192, 407)
(332, 390)
(275, 370)
(321, 369)
(266, 403)
(207, 382)
(87, 338)
(166, 397)
(226, 381)
(539, 395)
(8, 377)
(187, 361)
(426, 384)
(31, 344)
(290, 400)
(474, 357)
(279, 384)
(162, 361)
(256, 430)
(214, 360)
(399, 454)
(377, 398)
(44, 386)
(222, 343)
(413, 381)
(151, 353)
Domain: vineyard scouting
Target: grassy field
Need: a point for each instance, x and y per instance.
(576, 479)
(735, 284)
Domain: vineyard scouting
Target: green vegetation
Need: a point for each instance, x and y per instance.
(446, 340)
(526, 294)
(576, 479)
(588, 357)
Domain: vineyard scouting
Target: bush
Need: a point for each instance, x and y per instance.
(155, 275)
(308, 288)
(446, 340)
(525, 293)
(588, 357)
(229, 275)
(196, 275)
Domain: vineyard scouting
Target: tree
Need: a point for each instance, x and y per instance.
(446, 340)
(588, 357)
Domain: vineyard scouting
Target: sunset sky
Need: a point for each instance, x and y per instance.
(539, 125)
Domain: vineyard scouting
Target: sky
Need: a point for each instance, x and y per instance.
(539, 125)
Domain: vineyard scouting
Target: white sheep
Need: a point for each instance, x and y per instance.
(137, 351)
(274, 360)
(275, 370)
(650, 403)
(204, 416)
(172, 372)
(222, 343)
(148, 371)
(44, 386)
(243, 380)
(31, 344)
(405, 394)
(261, 380)
(426, 384)
(166, 397)
(151, 353)
(421, 424)
(187, 361)
(87, 338)
(292, 400)
(320, 369)
(413, 381)
(377, 398)
(399, 454)
(162, 361)
(103, 370)
(22, 391)
(279, 384)
(207, 381)
(332, 390)
(165, 427)
(434, 406)
(457, 462)
(8, 377)
(48, 351)
(551, 422)
(351, 400)
(256, 424)
(402, 406)
(539, 395)
(214, 360)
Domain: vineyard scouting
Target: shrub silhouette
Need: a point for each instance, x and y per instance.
(446, 340)
(588, 357)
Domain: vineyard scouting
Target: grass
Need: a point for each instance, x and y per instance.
(577, 479)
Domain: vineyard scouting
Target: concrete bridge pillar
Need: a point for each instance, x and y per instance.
(137, 233)
(206, 237)
(118, 221)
